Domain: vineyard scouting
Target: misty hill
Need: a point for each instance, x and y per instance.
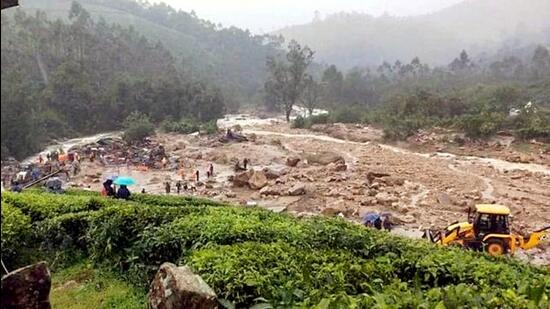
(353, 39)
(231, 57)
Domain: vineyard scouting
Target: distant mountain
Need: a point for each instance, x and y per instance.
(231, 57)
(353, 39)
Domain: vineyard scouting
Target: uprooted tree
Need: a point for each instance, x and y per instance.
(286, 82)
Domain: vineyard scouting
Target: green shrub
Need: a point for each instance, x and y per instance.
(348, 115)
(137, 126)
(299, 122)
(210, 127)
(251, 255)
(483, 124)
(16, 229)
(40, 206)
(280, 273)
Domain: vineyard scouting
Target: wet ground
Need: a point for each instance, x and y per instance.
(422, 190)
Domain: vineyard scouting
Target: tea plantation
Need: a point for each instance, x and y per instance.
(253, 257)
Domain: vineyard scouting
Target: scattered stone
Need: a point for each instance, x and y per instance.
(177, 287)
(337, 167)
(292, 161)
(297, 189)
(27, 287)
(444, 199)
(385, 199)
(272, 173)
(329, 211)
(325, 158)
(270, 190)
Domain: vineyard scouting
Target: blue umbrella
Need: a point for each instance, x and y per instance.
(370, 217)
(124, 180)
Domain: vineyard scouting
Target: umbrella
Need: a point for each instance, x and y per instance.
(124, 180)
(370, 217)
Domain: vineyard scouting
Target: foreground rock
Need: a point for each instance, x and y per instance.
(27, 287)
(177, 287)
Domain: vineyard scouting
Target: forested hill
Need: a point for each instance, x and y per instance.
(232, 58)
(80, 76)
(479, 26)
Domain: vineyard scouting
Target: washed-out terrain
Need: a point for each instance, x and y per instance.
(343, 170)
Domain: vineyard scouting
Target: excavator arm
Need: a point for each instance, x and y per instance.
(535, 238)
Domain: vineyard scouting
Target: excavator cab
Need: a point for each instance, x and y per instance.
(491, 219)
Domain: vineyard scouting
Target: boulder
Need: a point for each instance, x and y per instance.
(444, 198)
(337, 167)
(325, 158)
(258, 180)
(384, 198)
(241, 179)
(27, 287)
(270, 190)
(274, 173)
(393, 181)
(177, 287)
(297, 189)
(292, 161)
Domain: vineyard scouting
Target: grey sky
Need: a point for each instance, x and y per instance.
(268, 15)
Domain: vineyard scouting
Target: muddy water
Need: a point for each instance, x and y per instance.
(68, 144)
(499, 165)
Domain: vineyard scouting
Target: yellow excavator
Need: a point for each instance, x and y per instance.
(488, 229)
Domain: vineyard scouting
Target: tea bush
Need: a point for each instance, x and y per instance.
(15, 230)
(251, 255)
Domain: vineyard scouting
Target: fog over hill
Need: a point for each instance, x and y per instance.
(356, 39)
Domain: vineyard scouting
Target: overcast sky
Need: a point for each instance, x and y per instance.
(267, 15)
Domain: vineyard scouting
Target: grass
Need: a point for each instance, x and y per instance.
(81, 287)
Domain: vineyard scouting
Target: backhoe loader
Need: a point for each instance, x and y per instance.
(488, 229)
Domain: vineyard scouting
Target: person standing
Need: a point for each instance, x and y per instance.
(245, 163)
(40, 159)
(211, 169)
(167, 187)
(182, 173)
(178, 187)
(197, 176)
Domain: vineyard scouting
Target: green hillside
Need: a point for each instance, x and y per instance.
(231, 57)
(250, 255)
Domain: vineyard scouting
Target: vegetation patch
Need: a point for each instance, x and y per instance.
(251, 256)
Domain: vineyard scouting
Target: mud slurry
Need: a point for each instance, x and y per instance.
(422, 190)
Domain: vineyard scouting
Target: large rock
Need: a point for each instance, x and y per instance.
(177, 287)
(444, 199)
(270, 190)
(297, 189)
(241, 179)
(325, 158)
(274, 173)
(258, 180)
(27, 287)
(292, 161)
(337, 167)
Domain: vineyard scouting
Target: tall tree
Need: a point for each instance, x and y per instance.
(287, 78)
(312, 94)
